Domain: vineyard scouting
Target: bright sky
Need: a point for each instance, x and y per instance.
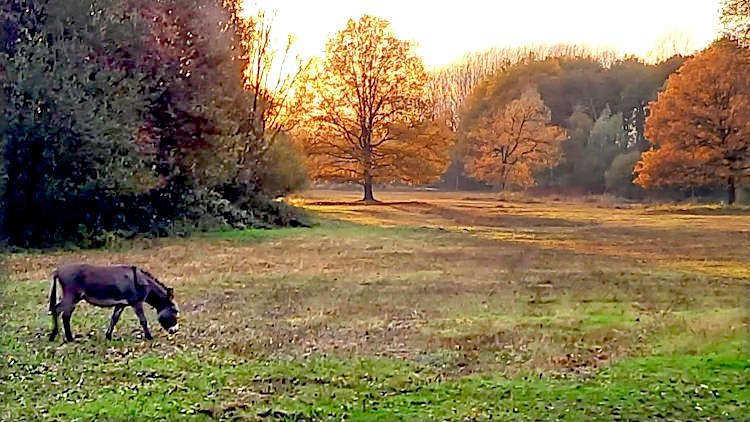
(447, 30)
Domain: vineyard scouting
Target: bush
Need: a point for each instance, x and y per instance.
(285, 171)
(743, 196)
(619, 177)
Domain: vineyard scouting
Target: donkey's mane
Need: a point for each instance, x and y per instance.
(156, 280)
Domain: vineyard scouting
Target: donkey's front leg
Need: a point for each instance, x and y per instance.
(138, 307)
(115, 318)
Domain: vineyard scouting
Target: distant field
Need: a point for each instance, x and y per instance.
(456, 306)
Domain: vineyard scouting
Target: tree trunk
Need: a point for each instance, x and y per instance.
(368, 191)
(368, 175)
(731, 191)
(368, 186)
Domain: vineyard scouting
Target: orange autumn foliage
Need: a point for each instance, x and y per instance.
(367, 116)
(670, 166)
(509, 145)
(700, 124)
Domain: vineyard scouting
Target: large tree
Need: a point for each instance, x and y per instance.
(369, 119)
(510, 144)
(195, 53)
(700, 125)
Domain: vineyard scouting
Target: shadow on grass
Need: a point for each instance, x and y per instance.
(365, 203)
(496, 216)
(702, 211)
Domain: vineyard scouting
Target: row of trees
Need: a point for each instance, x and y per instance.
(600, 109)
(451, 85)
(575, 124)
(578, 121)
(373, 114)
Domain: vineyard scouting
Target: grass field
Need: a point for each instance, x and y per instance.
(432, 306)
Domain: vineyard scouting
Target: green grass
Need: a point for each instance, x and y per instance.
(322, 226)
(406, 320)
(89, 382)
(671, 387)
(127, 379)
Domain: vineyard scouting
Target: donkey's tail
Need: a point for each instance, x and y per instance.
(53, 293)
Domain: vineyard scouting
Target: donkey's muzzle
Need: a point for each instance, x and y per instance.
(172, 330)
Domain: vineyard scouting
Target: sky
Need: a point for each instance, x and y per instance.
(446, 30)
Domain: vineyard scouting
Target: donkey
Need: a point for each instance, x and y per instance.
(118, 287)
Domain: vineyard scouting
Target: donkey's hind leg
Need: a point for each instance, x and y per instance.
(55, 327)
(67, 307)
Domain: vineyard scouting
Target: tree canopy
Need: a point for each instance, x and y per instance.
(735, 17)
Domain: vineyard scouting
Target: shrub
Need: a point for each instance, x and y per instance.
(285, 171)
(619, 177)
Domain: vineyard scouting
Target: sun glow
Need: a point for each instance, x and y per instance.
(445, 31)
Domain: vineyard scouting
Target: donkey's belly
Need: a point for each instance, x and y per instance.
(106, 295)
(104, 302)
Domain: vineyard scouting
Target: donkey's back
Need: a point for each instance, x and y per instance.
(101, 286)
(93, 272)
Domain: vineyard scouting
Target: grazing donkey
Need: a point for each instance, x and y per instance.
(118, 287)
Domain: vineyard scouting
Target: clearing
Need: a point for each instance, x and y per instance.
(457, 306)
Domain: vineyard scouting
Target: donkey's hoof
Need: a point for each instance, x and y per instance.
(52, 337)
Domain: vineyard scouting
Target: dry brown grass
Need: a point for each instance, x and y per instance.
(464, 282)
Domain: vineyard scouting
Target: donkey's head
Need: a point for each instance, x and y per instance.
(169, 315)
(161, 298)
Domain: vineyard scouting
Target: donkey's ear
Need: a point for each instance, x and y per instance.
(170, 292)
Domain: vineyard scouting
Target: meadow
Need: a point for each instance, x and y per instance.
(430, 306)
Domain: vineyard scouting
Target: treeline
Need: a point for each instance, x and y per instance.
(601, 103)
(562, 118)
(449, 86)
(127, 117)
(565, 118)
(572, 120)
(122, 117)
